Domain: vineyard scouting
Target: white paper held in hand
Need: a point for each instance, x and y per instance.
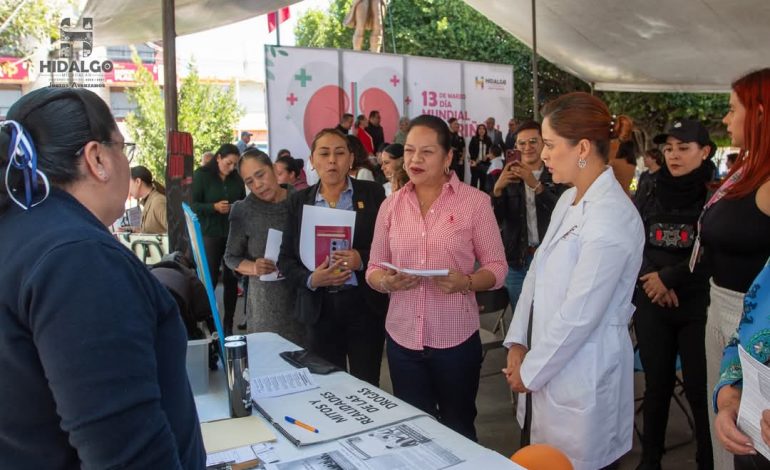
(283, 383)
(272, 250)
(418, 272)
(755, 398)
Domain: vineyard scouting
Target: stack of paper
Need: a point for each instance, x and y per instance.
(233, 433)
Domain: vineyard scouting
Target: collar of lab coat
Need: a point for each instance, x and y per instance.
(597, 191)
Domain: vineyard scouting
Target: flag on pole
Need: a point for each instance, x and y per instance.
(275, 18)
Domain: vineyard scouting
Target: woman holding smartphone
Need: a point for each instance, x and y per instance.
(343, 317)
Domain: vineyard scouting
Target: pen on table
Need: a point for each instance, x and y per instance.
(291, 420)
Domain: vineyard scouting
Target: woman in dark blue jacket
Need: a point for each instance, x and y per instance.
(92, 347)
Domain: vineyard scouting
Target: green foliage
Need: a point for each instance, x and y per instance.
(652, 112)
(451, 29)
(209, 112)
(36, 21)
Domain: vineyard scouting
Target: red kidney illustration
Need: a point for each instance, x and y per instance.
(324, 109)
(376, 98)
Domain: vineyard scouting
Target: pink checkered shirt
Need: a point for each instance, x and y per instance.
(459, 229)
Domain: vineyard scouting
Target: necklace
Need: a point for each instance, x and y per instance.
(333, 205)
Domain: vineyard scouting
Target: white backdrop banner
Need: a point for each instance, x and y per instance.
(310, 89)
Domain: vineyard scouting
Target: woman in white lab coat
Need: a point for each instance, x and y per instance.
(578, 364)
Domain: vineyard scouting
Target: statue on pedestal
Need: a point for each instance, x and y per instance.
(366, 15)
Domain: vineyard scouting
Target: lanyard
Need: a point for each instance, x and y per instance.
(716, 197)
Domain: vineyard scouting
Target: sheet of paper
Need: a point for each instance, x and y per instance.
(233, 433)
(284, 383)
(418, 272)
(754, 399)
(272, 250)
(335, 459)
(313, 216)
(241, 454)
(399, 446)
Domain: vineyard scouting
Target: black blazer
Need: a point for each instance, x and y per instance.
(367, 198)
(511, 212)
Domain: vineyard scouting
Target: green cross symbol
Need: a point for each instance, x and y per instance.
(303, 78)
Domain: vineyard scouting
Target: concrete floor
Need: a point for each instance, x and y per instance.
(497, 428)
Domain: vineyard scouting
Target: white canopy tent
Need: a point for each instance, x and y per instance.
(120, 22)
(643, 45)
(624, 45)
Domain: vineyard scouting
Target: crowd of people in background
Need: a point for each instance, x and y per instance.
(545, 212)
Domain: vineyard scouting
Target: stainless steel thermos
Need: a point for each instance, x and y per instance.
(238, 381)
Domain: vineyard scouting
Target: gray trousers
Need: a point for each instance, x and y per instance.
(724, 313)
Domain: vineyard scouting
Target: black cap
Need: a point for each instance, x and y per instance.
(686, 130)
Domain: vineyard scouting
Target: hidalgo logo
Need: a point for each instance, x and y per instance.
(73, 39)
(480, 82)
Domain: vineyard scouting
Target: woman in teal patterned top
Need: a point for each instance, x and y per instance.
(754, 336)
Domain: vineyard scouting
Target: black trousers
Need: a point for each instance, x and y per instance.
(440, 382)
(661, 334)
(751, 462)
(215, 251)
(348, 332)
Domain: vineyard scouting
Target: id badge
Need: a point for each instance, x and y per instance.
(695, 256)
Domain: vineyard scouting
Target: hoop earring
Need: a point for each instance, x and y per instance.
(582, 163)
(447, 170)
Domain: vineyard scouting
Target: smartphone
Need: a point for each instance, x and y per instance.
(338, 244)
(512, 156)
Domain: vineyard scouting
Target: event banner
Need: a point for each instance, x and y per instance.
(309, 90)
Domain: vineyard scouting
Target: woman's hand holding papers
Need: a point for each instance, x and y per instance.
(393, 281)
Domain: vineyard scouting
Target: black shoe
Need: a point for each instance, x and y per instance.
(241, 326)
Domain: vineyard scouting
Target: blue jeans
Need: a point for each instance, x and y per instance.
(514, 281)
(440, 382)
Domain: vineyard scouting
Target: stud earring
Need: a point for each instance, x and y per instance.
(582, 163)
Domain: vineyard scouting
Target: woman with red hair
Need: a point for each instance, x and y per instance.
(735, 241)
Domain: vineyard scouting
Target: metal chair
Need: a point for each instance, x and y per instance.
(493, 302)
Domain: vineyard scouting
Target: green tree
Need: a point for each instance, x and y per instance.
(451, 29)
(25, 24)
(209, 112)
(653, 111)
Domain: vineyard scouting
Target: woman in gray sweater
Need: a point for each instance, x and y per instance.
(269, 303)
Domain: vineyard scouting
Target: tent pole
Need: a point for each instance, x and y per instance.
(535, 77)
(169, 66)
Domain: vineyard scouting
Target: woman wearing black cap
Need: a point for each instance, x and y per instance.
(671, 301)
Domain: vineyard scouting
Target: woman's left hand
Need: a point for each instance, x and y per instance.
(653, 286)
(764, 424)
(351, 259)
(512, 372)
(455, 281)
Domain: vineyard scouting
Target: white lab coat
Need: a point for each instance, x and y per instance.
(580, 364)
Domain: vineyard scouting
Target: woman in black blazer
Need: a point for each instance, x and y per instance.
(478, 150)
(343, 316)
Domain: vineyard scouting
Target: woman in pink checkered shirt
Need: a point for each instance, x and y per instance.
(436, 222)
